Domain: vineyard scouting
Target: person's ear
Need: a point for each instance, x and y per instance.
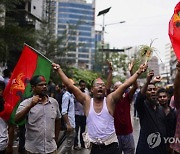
(33, 87)
(91, 89)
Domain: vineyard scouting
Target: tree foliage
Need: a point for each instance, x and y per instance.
(77, 75)
(12, 35)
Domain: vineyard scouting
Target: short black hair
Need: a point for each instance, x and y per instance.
(162, 90)
(7, 73)
(36, 79)
(2, 85)
(81, 81)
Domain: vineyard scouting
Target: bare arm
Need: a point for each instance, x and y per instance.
(80, 96)
(68, 125)
(109, 78)
(135, 84)
(148, 80)
(116, 95)
(177, 87)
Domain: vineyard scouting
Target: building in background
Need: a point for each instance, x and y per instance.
(168, 68)
(153, 64)
(173, 62)
(131, 52)
(98, 39)
(75, 20)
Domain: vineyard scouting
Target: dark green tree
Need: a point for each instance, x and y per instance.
(12, 34)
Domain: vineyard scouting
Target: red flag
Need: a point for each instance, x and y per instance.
(174, 30)
(18, 88)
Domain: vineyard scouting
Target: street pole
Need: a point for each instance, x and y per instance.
(103, 12)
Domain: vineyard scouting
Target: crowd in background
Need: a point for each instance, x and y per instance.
(102, 113)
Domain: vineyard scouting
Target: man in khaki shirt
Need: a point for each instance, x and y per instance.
(42, 118)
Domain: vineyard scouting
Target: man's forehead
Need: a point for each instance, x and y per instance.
(42, 78)
(163, 93)
(151, 86)
(42, 82)
(98, 80)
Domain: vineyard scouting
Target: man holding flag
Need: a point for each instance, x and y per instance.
(30, 63)
(42, 119)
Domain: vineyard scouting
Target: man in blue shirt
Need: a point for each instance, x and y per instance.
(80, 118)
(68, 113)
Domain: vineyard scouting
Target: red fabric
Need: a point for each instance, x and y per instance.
(22, 72)
(122, 116)
(174, 30)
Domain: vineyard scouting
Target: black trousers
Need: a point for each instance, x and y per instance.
(80, 124)
(3, 152)
(21, 134)
(112, 148)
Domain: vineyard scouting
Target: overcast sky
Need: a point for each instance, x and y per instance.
(145, 20)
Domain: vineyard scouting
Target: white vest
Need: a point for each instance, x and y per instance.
(100, 126)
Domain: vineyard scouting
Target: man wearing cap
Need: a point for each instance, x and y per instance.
(99, 111)
(42, 119)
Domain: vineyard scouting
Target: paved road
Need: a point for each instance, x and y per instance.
(135, 123)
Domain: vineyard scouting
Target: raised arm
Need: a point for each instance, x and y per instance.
(117, 94)
(80, 96)
(148, 80)
(177, 87)
(109, 78)
(135, 84)
(157, 79)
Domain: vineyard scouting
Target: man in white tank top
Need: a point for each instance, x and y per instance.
(99, 111)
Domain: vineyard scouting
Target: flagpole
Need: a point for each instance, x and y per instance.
(39, 53)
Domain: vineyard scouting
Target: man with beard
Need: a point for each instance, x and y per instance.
(42, 119)
(6, 129)
(163, 99)
(99, 111)
(152, 120)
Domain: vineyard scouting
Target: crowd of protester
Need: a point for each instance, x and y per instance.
(98, 118)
